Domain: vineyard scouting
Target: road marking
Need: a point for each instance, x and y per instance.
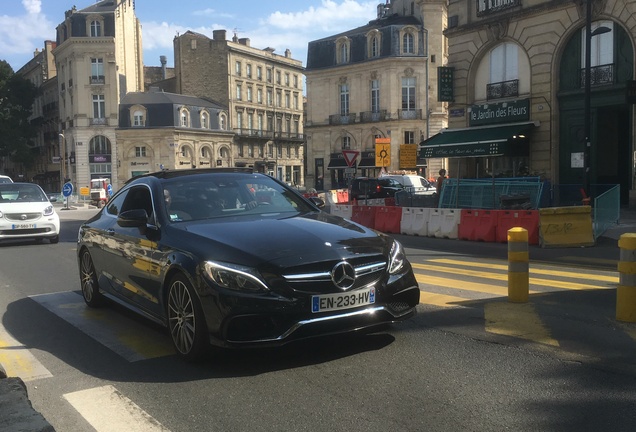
(106, 409)
(519, 320)
(18, 361)
(495, 290)
(437, 299)
(128, 338)
(533, 270)
(504, 277)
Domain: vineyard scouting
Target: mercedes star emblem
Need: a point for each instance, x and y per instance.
(343, 275)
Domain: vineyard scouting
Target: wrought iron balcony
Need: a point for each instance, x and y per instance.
(502, 89)
(599, 75)
(372, 116)
(98, 121)
(254, 133)
(96, 79)
(339, 119)
(485, 7)
(410, 114)
(295, 136)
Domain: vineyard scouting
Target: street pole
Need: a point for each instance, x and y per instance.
(62, 160)
(588, 97)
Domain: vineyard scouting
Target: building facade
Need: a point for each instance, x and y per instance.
(159, 130)
(263, 92)
(47, 168)
(520, 73)
(372, 94)
(98, 59)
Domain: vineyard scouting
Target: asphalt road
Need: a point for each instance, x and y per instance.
(449, 368)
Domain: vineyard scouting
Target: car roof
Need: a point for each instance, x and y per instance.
(168, 174)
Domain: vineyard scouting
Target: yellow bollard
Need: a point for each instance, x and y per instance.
(626, 290)
(518, 268)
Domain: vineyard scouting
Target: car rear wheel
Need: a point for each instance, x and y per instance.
(88, 278)
(185, 320)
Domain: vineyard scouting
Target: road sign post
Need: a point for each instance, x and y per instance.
(67, 191)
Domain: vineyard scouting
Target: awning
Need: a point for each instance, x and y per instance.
(497, 140)
(337, 161)
(367, 163)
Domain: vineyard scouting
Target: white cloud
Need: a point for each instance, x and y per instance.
(32, 6)
(330, 16)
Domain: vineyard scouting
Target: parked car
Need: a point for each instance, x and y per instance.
(26, 212)
(413, 183)
(370, 187)
(5, 179)
(236, 259)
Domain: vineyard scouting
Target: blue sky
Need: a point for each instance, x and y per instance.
(280, 24)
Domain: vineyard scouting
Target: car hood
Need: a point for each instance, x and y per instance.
(284, 241)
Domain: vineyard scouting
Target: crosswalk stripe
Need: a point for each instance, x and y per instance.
(504, 277)
(437, 299)
(106, 409)
(458, 284)
(518, 320)
(18, 361)
(533, 270)
(117, 335)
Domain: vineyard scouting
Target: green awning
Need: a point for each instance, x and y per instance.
(500, 140)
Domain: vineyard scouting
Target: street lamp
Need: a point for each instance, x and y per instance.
(588, 92)
(62, 161)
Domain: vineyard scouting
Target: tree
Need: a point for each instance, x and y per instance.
(17, 134)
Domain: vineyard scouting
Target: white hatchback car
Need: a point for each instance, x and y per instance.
(5, 179)
(414, 183)
(26, 212)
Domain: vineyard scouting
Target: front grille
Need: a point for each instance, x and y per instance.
(399, 306)
(17, 217)
(318, 280)
(18, 232)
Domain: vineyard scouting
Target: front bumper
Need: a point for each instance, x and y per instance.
(242, 320)
(45, 227)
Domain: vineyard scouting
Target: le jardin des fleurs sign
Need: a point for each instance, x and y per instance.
(500, 112)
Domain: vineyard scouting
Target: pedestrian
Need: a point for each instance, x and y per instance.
(438, 185)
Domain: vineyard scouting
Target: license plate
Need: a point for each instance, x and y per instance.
(22, 226)
(330, 302)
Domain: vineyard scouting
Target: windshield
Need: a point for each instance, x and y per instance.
(214, 195)
(21, 192)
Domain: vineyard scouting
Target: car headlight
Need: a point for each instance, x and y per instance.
(235, 277)
(48, 211)
(396, 257)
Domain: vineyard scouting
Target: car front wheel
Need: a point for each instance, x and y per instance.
(185, 320)
(88, 279)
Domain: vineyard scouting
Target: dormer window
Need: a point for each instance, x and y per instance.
(184, 116)
(205, 120)
(96, 29)
(222, 121)
(373, 44)
(407, 44)
(342, 50)
(138, 118)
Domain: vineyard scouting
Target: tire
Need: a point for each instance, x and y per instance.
(185, 320)
(88, 281)
(55, 239)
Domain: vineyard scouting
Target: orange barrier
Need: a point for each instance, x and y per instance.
(467, 225)
(528, 219)
(486, 229)
(389, 201)
(342, 196)
(364, 215)
(387, 219)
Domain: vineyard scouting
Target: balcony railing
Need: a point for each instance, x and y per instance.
(410, 114)
(599, 75)
(502, 89)
(98, 121)
(339, 119)
(485, 7)
(96, 79)
(254, 133)
(290, 135)
(372, 116)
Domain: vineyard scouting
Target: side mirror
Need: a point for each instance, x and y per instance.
(318, 202)
(135, 218)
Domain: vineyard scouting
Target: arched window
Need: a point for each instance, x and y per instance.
(99, 145)
(99, 157)
(504, 63)
(408, 43)
(375, 47)
(138, 118)
(96, 28)
(342, 50)
(224, 153)
(184, 118)
(205, 120)
(222, 122)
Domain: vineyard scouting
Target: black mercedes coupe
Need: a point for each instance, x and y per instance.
(232, 258)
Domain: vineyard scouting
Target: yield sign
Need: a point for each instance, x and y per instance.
(350, 157)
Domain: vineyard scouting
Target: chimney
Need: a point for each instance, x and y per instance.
(244, 41)
(287, 53)
(218, 35)
(163, 60)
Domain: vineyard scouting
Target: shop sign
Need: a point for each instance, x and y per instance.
(445, 84)
(500, 112)
(408, 155)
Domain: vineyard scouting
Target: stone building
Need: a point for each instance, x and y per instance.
(372, 94)
(98, 59)
(47, 170)
(159, 130)
(263, 94)
(520, 101)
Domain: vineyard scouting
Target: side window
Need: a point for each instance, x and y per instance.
(115, 205)
(138, 197)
